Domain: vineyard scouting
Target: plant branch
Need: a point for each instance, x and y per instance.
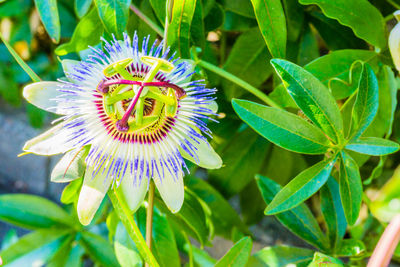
(149, 216)
(127, 220)
(147, 20)
(387, 244)
(245, 85)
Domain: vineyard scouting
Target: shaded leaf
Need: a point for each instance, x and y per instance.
(373, 146)
(99, 249)
(82, 7)
(48, 13)
(114, 15)
(281, 256)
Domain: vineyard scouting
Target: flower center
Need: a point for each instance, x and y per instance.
(135, 101)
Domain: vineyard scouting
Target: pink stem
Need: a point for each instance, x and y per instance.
(122, 124)
(180, 92)
(387, 244)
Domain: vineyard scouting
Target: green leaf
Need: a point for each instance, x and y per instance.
(332, 210)
(202, 258)
(87, 32)
(351, 248)
(324, 260)
(253, 68)
(350, 188)
(32, 212)
(308, 49)
(164, 245)
(48, 13)
(70, 193)
(282, 128)
(298, 220)
(39, 246)
(366, 105)
(114, 15)
(215, 18)
(70, 167)
(336, 70)
(60, 258)
(224, 217)
(301, 187)
(353, 14)
(125, 249)
(82, 7)
(335, 35)
(99, 249)
(241, 7)
(9, 238)
(312, 97)
(243, 157)
(272, 23)
(279, 256)
(238, 255)
(197, 27)
(373, 146)
(178, 36)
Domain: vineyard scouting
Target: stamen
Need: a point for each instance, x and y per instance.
(105, 84)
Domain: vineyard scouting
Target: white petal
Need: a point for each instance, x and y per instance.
(51, 142)
(206, 155)
(92, 193)
(69, 64)
(131, 192)
(171, 191)
(70, 167)
(43, 94)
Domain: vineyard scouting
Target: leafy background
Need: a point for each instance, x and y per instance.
(343, 70)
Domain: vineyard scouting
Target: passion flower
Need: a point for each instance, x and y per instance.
(130, 114)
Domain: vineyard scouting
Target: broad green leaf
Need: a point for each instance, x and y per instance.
(125, 249)
(281, 256)
(178, 35)
(351, 248)
(237, 23)
(241, 7)
(301, 187)
(32, 212)
(215, 18)
(87, 32)
(282, 128)
(272, 23)
(298, 220)
(202, 258)
(70, 167)
(48, 13)
(251, 202)
(238, 255)
(312, 97)
(243, 157)
(224, 217)
(82, 7)
(159, 9)
(337, 71)
(325, 260)
(353, 14)
(373, 146)
(197, 27)
(75, 256)
(247, 60)
(38, 246)
(99, 249)
(114, 15)
(164, 246)
(350, 188)
(335, 35)
(366, 105)
(332, 210)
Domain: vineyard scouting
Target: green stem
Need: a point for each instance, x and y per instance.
(245, 85)
(149, 215)
(147, 20)
(127, 220)
(395, 5)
